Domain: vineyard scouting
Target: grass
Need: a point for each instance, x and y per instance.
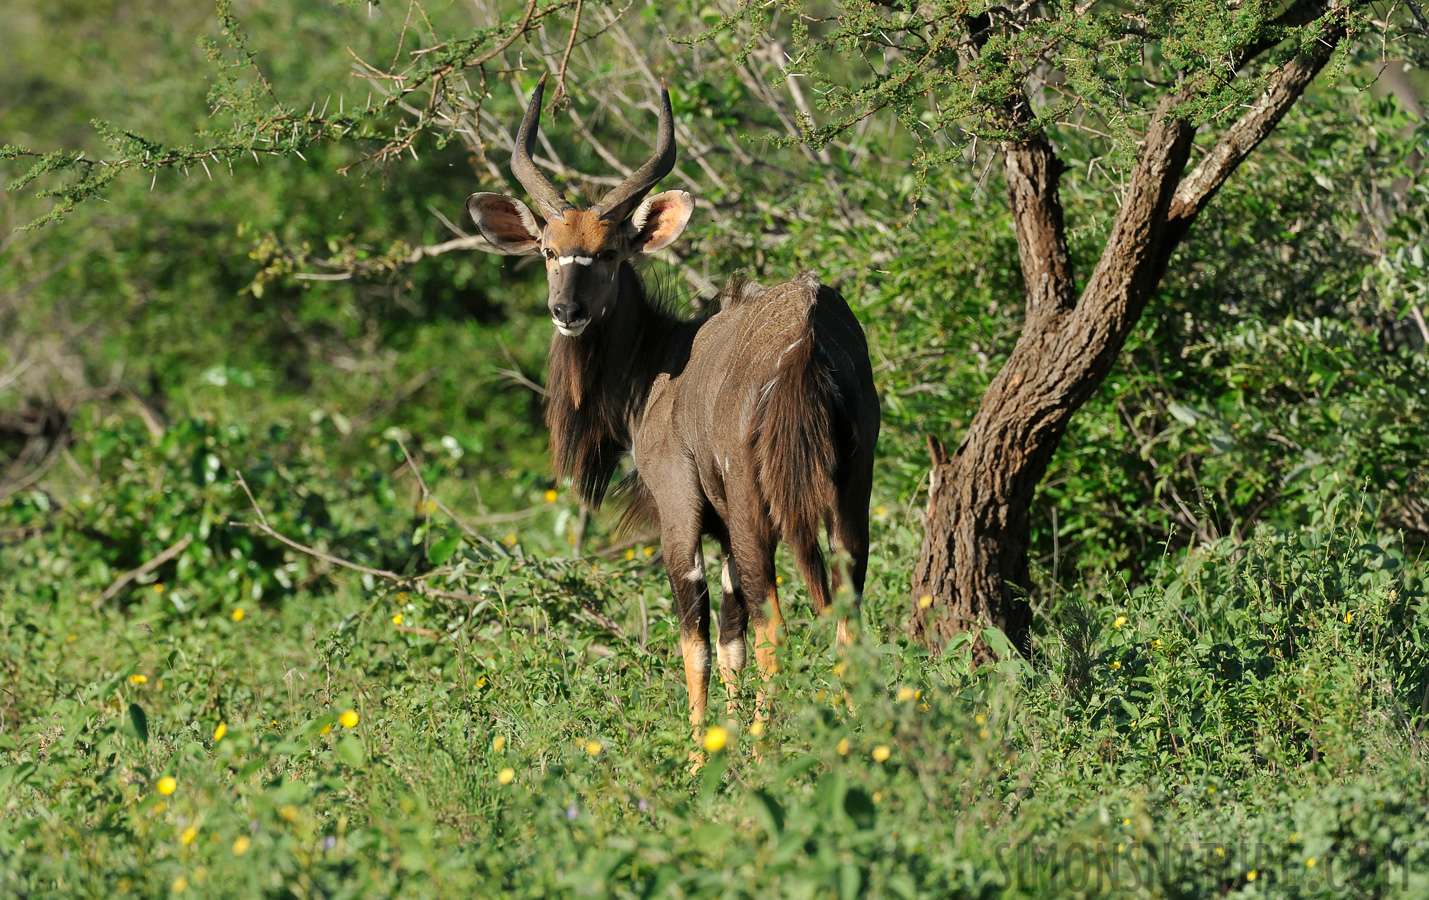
(1248, 725)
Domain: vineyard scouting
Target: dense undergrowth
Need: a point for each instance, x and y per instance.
(1247, 723)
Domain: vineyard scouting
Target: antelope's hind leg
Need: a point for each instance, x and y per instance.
(848, 534)
(685, 565)
(810, 557)
(733, 625)
(754, 566)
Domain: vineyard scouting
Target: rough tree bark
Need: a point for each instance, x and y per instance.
(973, 570)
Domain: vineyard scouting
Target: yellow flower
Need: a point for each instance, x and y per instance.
(179, 885)
(238, 614)
(881, 753)
(1116, 665)
(1220, 851)
(843, 747)
(778, 579)
(716, 738)
(167, 785)
(593, 748)
(188, 836)
(756, 728)
(430, 506)
(1348, 617)
(510, 540)
(880, 511)
(630, 554)
(1251, 875)
(160, 807)
(137, 679)
(1126, 821)
(982, 733)
(1120, 621)
(498, 743)
(552, 496)
(878, 796)
(980, 719)
(326, 729)
(1120, 848)
(925, 601)
(506, 775)
(1156, 644)
(241, 845)
(648, 551)
(72, 638)
(1310, 863)
(289, 813)
(159, 588)
(220, 731)
(397, 619)
(906, 693)
(348, 719)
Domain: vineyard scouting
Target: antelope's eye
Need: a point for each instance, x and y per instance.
(550, 254)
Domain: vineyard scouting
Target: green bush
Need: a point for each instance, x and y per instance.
(1246, 723)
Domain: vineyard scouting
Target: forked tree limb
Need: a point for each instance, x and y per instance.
(974, 561)
(262, 526)
(123, 580)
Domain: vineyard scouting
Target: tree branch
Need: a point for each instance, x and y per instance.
(1033, 172)
(119, 583)
(1216, 167)
(1134, 257)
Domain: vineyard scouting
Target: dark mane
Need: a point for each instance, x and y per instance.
(598, 385)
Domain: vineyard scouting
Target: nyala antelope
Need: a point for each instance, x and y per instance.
(754, 424)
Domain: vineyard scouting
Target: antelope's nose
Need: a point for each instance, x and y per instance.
(570, 319)
(567, 314)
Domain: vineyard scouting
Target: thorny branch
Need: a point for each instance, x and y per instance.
(419, 583)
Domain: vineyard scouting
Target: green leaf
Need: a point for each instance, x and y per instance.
(442, 550)
(1183, 414)
(351, 751)
(138, 724)
(998, 643)
(768, 811)
(859, 807)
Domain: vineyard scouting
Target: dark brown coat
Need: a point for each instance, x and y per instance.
(753, 425)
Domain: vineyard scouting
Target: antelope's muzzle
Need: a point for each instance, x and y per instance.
(567, 311)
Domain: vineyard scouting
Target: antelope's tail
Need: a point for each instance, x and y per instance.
(795, 444)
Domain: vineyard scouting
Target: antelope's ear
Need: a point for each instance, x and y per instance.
(661, 219)
(506, 224)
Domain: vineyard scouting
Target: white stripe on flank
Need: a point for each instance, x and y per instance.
(729, 579)
(578, 260)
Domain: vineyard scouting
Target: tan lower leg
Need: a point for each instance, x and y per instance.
(697, 676)
(768, 635)
(731, 661)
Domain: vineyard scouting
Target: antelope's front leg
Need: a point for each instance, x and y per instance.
(684, 562)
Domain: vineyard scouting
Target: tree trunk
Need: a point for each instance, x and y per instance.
(973, 570)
